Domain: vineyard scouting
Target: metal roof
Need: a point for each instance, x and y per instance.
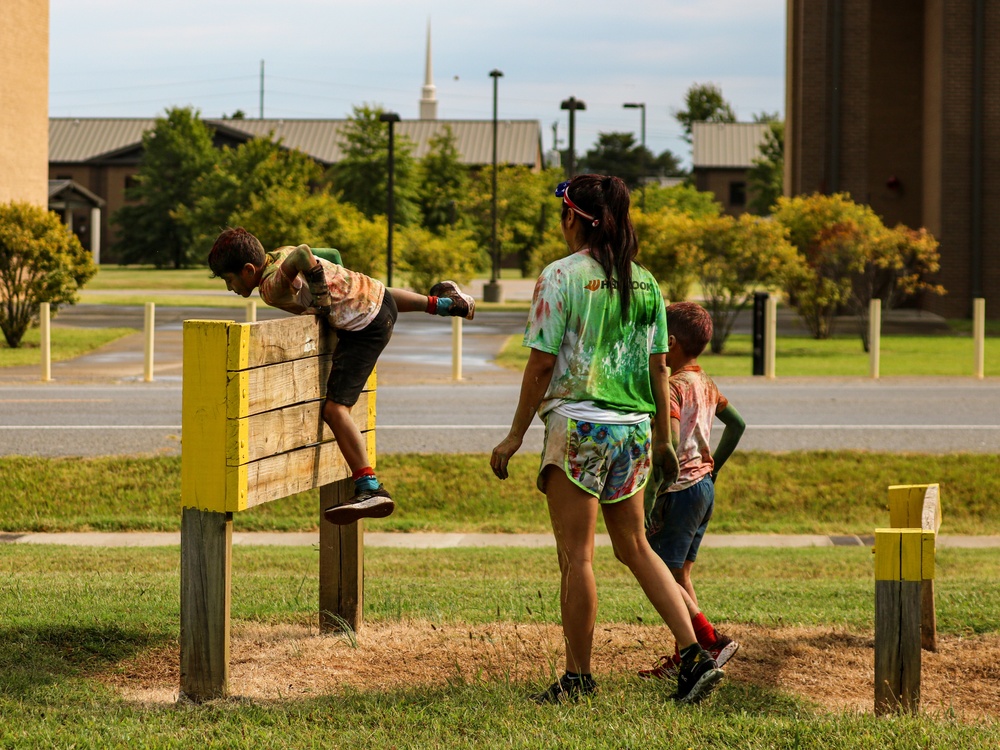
(726, 144)
(518, 141)
(73, 192)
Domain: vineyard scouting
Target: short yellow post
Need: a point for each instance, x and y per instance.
(149, 326)
(45, 330)
(903, 559)
(979, 336)
(918, 506)
(456, 348)
(874, 337)
(251, 311)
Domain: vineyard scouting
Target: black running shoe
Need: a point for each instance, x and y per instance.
(365, 504)
(697, 678)
(462, 305)
(567, 690)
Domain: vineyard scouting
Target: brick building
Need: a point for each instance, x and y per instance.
(895, 102)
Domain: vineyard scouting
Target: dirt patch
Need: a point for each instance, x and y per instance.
(833, 668)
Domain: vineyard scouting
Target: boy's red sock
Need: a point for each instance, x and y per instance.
(365, 471)
(432, 305)
(703, 630)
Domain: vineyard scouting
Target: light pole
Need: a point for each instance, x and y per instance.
(392, 118)
(492, 291)
(640, 106)
(572, 104)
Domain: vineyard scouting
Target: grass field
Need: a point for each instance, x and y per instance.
(454, 642)
(840, 492)
(66, 343)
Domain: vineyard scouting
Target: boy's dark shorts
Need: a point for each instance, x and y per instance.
(679, 520)
(356, 355)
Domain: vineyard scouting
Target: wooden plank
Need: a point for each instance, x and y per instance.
(203, 415)
(911, 555)
(297, 471)
(928, 616)
(206, 564)
(887, 554)
(888, 671)
(915, 506)
(279, 385)
(287, 339)
(341, 564)
(909, 645)
(930, 512)
(266, 434)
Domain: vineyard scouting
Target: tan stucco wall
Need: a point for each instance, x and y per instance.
(24, 101)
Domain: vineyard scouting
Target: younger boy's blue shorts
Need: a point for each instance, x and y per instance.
(679, 520)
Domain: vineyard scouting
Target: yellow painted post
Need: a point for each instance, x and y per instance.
(456, 348)
(770, 335)
(919, 506)
(148, 327)
(45, 330)
(874, 337)
(251, 311)
(979, 336)
(904, 558)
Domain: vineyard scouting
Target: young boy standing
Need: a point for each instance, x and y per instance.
(682, 511)
(361, 310)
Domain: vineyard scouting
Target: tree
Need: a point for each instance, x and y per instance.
(426, 257)
(176, 153)
(766, 177)
(683, 198)
(668, 247)
(739, 256)
(41, 260)
(704, 103)
(443, 178)
(361, 177)
(618, 154)
(261, 167)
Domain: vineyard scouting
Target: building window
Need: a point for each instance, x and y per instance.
(737, 193)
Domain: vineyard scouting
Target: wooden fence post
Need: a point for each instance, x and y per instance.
(918, 506)
(45, 327)
(903, 558)
(341, 564)
(874, 337)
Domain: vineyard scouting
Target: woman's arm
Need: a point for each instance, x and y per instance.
(537, 375)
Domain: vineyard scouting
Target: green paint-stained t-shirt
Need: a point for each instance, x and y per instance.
(600, 357)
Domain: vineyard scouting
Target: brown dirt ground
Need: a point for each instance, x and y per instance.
(833, 668)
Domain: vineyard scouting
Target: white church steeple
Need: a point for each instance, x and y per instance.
(428, 102)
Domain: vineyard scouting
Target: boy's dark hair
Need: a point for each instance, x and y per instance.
(613, 241)
(691, 325)
(233, 249)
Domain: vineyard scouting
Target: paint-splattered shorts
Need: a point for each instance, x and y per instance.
(609, 461)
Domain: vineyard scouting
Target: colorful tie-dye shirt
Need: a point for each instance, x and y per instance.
(694, 402)
(356, 297)
(600, 357)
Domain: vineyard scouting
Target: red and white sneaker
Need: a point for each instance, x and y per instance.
(666, 668)
(723, 649)
(462, 304)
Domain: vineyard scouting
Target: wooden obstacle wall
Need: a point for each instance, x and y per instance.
(252, 433)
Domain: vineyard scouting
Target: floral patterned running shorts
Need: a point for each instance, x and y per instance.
(609, 461)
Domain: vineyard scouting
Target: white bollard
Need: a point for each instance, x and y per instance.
(874, 336)
(456, 348)
(251, 311)
(46, 341)
(979, 335)
(147, 369)
(770, 335)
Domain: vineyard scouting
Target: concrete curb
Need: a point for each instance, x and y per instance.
(449, 541)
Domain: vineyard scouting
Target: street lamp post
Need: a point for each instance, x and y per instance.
(391, 118)
(492, 292)
(572, 104)
(640, 106)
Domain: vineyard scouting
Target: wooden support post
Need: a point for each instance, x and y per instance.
(770, 335)
(206, 573)
(45, 330)
(149, 326)
(456, 348)
(979, 336)
(903, 558)
(341, 564)
(874, 337)
(918, 506)
(251, 311)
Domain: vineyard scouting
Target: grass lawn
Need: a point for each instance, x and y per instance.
(67, 343)
(455, 640)
(841, 356)
(837, 492)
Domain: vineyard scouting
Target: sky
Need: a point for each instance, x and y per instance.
(136, 58)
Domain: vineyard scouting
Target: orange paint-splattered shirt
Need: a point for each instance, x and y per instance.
(356, 297)
(694, 402)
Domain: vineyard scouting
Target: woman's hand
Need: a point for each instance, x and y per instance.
(502, 453)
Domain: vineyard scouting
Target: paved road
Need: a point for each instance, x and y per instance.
(98, 404)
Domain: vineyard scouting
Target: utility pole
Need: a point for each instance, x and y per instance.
(492, 292)
(572, 104)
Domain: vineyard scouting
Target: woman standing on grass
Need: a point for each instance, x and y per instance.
(596, 372)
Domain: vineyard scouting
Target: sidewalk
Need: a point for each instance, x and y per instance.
(447, 541)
